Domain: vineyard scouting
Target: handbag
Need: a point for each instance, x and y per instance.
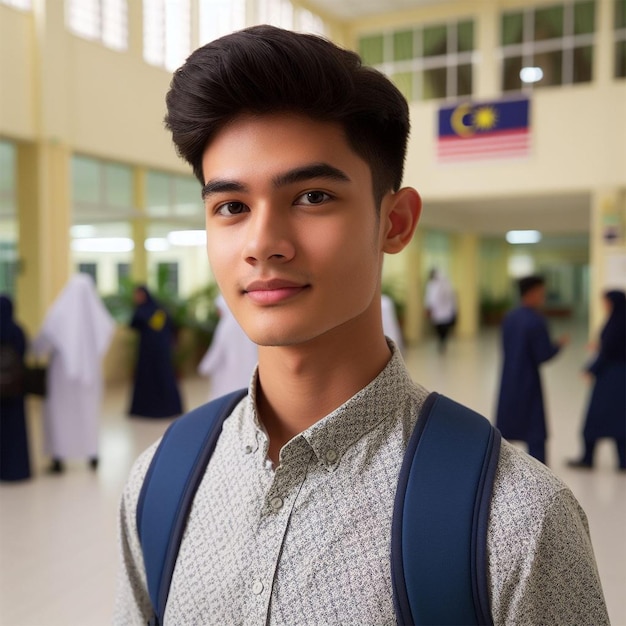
(35, 380)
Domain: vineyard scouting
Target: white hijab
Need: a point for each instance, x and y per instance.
(80, 328)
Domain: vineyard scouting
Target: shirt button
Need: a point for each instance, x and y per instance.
(331, 456)
(257, 588)
(276, 503)
(248, 449)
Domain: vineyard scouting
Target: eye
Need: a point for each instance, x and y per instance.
(311, 198)
(231, 208)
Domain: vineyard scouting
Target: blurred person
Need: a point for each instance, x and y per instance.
(440, 302)
(155, 388)
(391, 325)
(606, 411)
(75, 335)
(526, 344)
(300, 150)
(231, 358)
(14, 452)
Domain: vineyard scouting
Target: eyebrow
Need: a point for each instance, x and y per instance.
(296, 175)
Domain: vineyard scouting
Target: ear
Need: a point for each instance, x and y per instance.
(400, 212)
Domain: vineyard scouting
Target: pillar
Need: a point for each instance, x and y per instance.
(465, 260)
(139, 268)
(44, 216)
(414, 316)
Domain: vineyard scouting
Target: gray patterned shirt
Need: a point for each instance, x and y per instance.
(309, 541)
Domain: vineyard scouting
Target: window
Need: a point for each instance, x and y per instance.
(620, 39)
(167, 277)
(25, 5)
(91, 269)
(170, 195)
(166, 32)
(123, 274)
(433, 61)
(100, 188)
(220, 17)
(105, 21)
(544, 46)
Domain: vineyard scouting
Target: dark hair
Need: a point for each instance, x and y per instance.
(528, 283)
(264, 69)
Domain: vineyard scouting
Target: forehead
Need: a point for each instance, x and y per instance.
(278, 142)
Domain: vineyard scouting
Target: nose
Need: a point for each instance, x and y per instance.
(268, 237)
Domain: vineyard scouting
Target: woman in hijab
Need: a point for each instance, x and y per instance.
(14, 455)
(76, 334)
(155, 391)
(606, 414)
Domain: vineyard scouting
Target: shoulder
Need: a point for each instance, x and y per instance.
(137, 476)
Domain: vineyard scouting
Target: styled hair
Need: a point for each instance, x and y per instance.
(528, 283)
(264, 69)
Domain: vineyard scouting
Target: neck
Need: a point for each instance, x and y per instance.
(299, 385)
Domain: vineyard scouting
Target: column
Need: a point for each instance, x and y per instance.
(44, 215)
(465, 282)
(607, 249)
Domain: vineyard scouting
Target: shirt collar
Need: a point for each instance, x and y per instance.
(333, 435)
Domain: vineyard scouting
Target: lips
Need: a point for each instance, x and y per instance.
(273, 291)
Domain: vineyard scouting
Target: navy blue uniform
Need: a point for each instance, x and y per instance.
(14, 456)
(155, 392)
(526, 345)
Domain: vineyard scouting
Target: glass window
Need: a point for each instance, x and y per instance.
(548, 23)
(583, 64)
(118, 185)
(465, 37)
(512, 66)
(558, 40)
(158, 193)
(403, 45)
(166, 32)
(620, 39)
(620, 59)
(425, 62)
(512, 28)
(434, 85)
(220, 17)
(86, 180)
(7, 177)
(620, 14)
(584, 18)
(371, 49)
(404, 82)
(25, 5)
(551, 64)
(435, 41)
(105, 21)
(464, 80)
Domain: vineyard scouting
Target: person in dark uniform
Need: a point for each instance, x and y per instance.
(155, 391)
(606, 412)
(14, 455)
(526, 345)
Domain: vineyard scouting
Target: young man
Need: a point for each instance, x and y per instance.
(526, 344)
(300, 153)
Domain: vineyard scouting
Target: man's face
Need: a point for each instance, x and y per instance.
(293, 236)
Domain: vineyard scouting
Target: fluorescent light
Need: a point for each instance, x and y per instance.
(187, 237)
(103, 244)
(531, 74)
(82, 230)
(156, 244)
(523, 236)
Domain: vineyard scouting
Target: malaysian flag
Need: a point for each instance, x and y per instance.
(484, 130)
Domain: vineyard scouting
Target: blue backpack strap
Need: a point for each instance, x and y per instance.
(168, 490)
(441, 511)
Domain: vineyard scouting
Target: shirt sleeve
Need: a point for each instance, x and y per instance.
(554, 580)
(132, 602)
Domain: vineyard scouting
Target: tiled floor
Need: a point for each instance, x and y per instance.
(58, 552)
